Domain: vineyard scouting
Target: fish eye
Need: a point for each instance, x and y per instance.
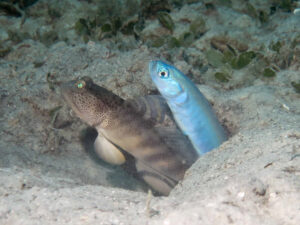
(163, 73)
(80, 84)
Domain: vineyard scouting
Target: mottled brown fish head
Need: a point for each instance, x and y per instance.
(90, 102)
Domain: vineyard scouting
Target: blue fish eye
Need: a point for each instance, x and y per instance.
(163, 73)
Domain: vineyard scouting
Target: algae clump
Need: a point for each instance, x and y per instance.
(186, 39)
(214, 58)
(276, 46)
(268, 72)
(243, 60)
(222, 77)
(166, 20)
(228, 56)
(173, 42)
(81, 27)
(198, 26)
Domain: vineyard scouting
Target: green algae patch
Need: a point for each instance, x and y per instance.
(222, 77)
(198, 26)
(214, 58)
(276, 46)
(166, 20)
(242, 60)
(173, 42)
(81, 27)
(186, 39)
(268, 72)
(228, 56)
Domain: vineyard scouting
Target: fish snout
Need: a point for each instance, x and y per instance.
(152, 66)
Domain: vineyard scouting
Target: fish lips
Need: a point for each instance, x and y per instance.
(67, 89)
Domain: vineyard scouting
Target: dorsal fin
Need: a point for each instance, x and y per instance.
(153, 108)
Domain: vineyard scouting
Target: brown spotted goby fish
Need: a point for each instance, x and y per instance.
(161, 155)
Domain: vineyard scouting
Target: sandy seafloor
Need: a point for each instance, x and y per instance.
(48, 176)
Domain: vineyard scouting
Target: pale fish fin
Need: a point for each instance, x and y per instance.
(158, 181)
(108, 151)
(153, 108)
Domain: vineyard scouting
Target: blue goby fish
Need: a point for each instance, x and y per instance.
(191, 110)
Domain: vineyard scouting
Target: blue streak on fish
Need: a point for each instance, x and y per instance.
(191, 110)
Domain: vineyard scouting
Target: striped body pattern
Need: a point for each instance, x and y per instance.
(191, 110)
(139, 127)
